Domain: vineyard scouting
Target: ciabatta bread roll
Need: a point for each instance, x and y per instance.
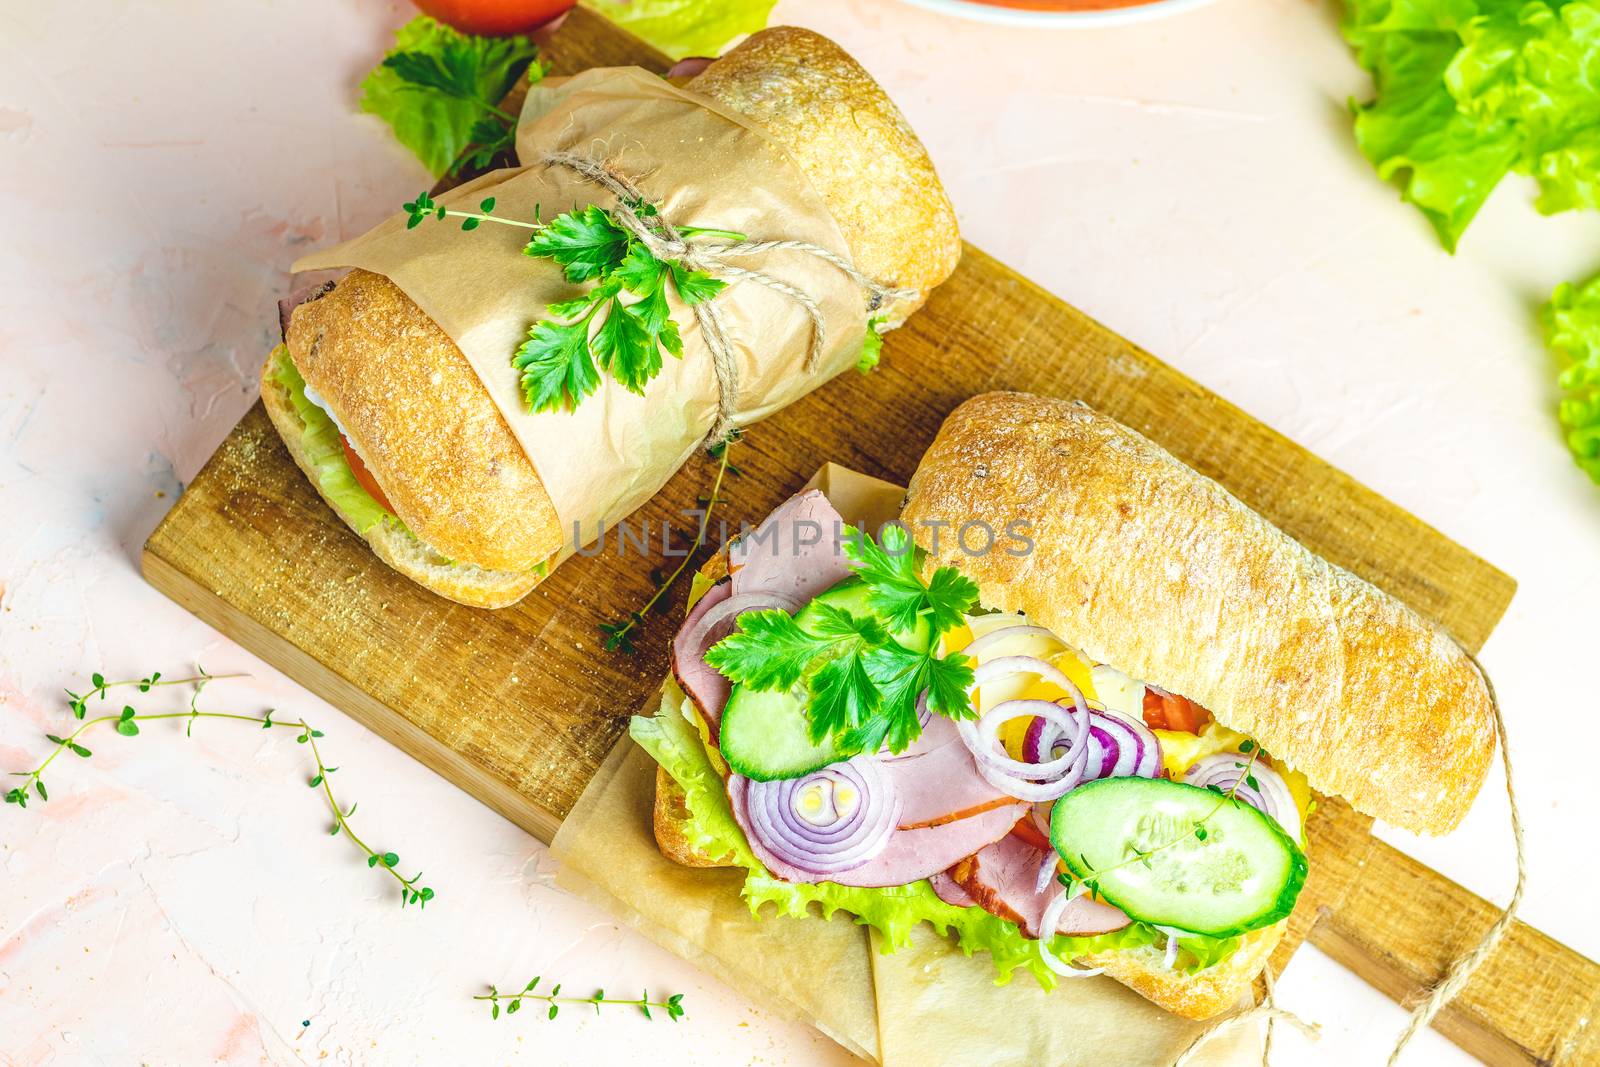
(1140, 563)
(1148, 565)
(413, 410)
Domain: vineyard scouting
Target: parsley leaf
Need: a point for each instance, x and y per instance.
(440, 90)
(769, 652)
(863, 687)
(628, 342)
(893, 569)
(588, 244)
(556, 369)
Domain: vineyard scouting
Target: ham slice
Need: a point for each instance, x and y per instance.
(937, 780)
(303, 295)
(910, 855)
(703, 684)
(795, 552)
(949, 890)
(1003, 877)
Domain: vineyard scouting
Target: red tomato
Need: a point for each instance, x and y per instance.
(364, 477)
(494, 18)
(1169, 711)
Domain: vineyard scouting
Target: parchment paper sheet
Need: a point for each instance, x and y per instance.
(922, 1006)
(703, 165)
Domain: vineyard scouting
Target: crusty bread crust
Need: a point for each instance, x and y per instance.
(1149, 566)
(854, 146)
(1201, 995)
(462, 582)
(671, 813)
(424, 424)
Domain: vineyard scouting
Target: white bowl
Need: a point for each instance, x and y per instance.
(995, 12)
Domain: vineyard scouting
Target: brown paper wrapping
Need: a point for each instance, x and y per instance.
(924, 1005)
(703, 165)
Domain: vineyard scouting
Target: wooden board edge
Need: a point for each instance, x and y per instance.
(386, 722)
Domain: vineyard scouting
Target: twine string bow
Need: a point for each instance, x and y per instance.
(716, 258)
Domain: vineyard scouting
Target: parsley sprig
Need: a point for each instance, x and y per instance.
(862, 683)
(622, 325)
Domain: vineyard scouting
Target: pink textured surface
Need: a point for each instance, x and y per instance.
(1190, 182)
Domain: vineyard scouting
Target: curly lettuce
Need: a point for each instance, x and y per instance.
(320, 441)
(1469, 91)
(686, 27)
(1572, 328)
(440, 90)
(674, 741)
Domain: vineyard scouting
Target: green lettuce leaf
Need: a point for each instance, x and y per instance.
(439, 90)
(321, 441)
(1471, 90)
(686, 27)
(674, 741)
(1572, 328)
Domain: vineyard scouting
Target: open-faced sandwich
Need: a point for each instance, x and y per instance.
(1071, 710)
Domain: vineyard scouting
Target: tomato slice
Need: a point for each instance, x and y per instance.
(364, 477)
(1169, 711)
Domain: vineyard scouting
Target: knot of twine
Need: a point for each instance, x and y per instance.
(712, 257)
(1460, 972)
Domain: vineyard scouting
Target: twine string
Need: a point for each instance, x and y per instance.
(1460, 972)
(665, 242)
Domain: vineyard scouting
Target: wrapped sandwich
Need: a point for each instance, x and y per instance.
(457, 401)
(1071, 711)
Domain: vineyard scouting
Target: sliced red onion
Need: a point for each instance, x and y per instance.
(1226, 772)
(842, 834)
(1028, 780)
(1170, 960)
(732, 608)
(1118, 747)
(1047, 871)
(1048, 923)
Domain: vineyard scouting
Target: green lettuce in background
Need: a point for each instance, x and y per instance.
(1572, 327)
(439, 90)
(686, 27)
(1469, 91)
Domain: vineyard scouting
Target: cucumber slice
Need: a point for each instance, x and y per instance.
(763, 734)
(1231, 870)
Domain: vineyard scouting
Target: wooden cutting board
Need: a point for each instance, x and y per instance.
(518, 707)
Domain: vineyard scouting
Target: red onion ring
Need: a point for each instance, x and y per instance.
(1048, 923)
(1118, 747)
(1027, 780)
(1226, 772)
(730, 609)
(841, 844)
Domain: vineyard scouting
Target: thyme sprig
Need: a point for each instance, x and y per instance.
(618, 634)
(1076, 885)
(126, 722)
(673, 1005)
